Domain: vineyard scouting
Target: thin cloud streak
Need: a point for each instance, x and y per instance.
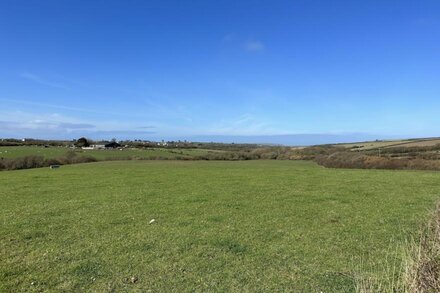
(250, 45)
(47, 125)
(246, 124)
(228, 38)
(160, 111)
(40, 80)
(254, 46)
(61, 107)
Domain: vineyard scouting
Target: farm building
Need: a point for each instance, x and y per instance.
(94, 147)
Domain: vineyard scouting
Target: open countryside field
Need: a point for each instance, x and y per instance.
(219, 226)
(421, 143)
(369, 145)
(54, 152)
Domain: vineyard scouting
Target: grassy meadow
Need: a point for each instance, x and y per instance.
(219, 226)
(54, 152)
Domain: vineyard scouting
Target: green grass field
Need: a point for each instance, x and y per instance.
(220, 226)
(54, 152)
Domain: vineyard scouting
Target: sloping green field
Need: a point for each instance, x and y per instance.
(108, 154)
(370, 145)
(219, 226)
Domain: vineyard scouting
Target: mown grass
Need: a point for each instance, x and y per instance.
(54, 152)
(220, 226)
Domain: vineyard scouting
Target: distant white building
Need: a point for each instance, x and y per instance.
(95, 147)
(163, 143)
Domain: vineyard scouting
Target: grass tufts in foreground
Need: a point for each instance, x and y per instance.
(219, 226)
(419, 272)
(422, 269)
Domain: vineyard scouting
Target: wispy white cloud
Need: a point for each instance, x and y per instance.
(19, 120)
(47, 125)
(163, 116)
(426, 21)
(250, 45)
(61, 107)
(254, 46)
(38, 79)
(24, 102)
(54, 125)
(246, 124)
(228, 38)
(147, 127)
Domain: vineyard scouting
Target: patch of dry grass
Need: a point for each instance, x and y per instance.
(422, 268)
(422, 143)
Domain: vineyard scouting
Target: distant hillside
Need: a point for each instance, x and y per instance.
(369, 145)
(288, 139)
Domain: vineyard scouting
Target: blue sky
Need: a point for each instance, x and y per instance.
(213, 69)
